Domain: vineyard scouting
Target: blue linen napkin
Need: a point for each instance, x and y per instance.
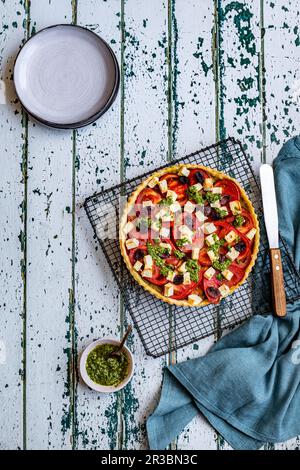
(248, 385)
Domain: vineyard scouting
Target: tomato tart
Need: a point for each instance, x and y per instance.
(189, 235)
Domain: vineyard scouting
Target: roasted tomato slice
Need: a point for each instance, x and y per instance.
(137, 254)
(197, 176)
(157, 278)
(238, 274)
(229, 189)
(211, 290)
(204, 259)
(181, 291)
(243, 246)
(174, 184)
(242, 263)
(140, 232)
(148, 194)
(248, 222)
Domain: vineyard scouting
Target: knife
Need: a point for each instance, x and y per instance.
(271, 222)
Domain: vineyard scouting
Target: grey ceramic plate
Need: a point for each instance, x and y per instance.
(66, 76)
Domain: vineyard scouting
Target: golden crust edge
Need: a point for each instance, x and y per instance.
(215, 173)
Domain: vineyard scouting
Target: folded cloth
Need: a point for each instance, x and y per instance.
(248, 385)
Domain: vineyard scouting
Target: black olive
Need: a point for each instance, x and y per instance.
(138, 254)
(199, 177)
(178, 279)
(240, 246)
(138, 213)
(222, 258)
(207, 211)
(224, 200)
(215, 215)
(137, 228)
(183, 179)
(213, 292)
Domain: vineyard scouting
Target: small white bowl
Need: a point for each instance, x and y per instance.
(94, 385)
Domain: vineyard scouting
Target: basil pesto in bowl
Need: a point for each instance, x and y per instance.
(103, 372)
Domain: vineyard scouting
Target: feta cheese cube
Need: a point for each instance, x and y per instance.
(232, 254)
(185, 231)
(128, 227)
(211, 239)
(212, 256)
(175, 207)
(164, 232)
(147, 273)
(197, 186)
(186, 278)
(208, 184)
(182, 268)
(163, 186)
(138, 266)
(153, 182)
(209, 228)
(183, 171)
(132, 243)
(215, 204)
(195, 253)
(231, 236)
(194, 300)
(227, 274)
(171, 275)
(235, 207)
(189, 207)
(161, 213)
(251, 233)
(172, 195)
(148, 262)
(209, 273)
(224, 290)
(147, 204)
(200, 216)
(169, 289)
(217, 190)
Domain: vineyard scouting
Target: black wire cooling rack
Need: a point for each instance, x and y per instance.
(163, 328)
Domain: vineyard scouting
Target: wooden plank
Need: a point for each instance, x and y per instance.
(193, 126)
(144, 146)
(282, 91)
(49, 270)
(282, 81)
(12, 253)
(97, 308)
(238, 78)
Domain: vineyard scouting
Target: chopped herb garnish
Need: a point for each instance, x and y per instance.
(182, 241)
(211, 197)
(195, 195)
(193, 268)
(238, 221)
(220, 277)
(221, 266)
(156, 252)
(217, 245)
(179, 254)
(166, 202)
(221, 212)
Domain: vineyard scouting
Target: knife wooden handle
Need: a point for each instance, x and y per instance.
(278, 291)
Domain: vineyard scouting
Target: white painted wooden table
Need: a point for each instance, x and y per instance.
(192, 72)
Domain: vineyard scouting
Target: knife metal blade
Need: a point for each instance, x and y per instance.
(269, 204)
